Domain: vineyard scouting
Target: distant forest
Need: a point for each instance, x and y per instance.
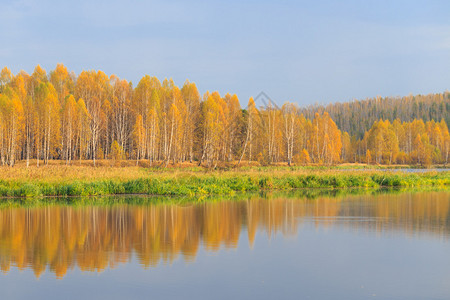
(94, 116)
(356, 117)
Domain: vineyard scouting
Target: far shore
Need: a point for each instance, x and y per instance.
(189, 179)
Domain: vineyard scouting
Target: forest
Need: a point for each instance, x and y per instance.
(356, 117)
(93, 116)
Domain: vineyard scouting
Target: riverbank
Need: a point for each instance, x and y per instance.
(87, 181)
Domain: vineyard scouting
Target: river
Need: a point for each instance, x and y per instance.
(273, 246)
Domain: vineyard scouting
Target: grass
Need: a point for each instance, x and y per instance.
(61, 180)
(109, 200)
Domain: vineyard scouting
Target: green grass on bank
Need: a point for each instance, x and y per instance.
(184, 200)
(220, 183)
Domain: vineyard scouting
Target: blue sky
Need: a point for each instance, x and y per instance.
(298, 51)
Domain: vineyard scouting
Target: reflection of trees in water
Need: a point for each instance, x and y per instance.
(95, 237)
(408, 213)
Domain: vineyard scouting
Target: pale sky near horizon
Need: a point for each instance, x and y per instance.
(298, 51)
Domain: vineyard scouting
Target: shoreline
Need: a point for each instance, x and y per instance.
(218, 183)
(146, 199)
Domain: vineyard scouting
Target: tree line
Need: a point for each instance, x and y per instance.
(95, 116)
(356, 117)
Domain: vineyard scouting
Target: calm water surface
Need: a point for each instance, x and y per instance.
(387, 246)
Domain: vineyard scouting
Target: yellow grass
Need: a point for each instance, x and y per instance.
(57, 171)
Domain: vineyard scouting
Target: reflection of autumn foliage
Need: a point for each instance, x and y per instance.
(96, 237)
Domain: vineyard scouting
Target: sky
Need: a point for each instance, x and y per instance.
(298, 51)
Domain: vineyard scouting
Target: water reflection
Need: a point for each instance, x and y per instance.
(92, 238)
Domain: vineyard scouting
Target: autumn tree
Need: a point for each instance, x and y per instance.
(191, 98)
(251, 115)
(49, 121)
(326, 140)
(304, 157)
(290, 123)
(5, 78)
(146, 102)
(62, 81)
(121, 98)
(12, 125)
(69, 127)
(93, 88)
(138, 136)
(212, 120)
(83, 130)
(116, 153)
